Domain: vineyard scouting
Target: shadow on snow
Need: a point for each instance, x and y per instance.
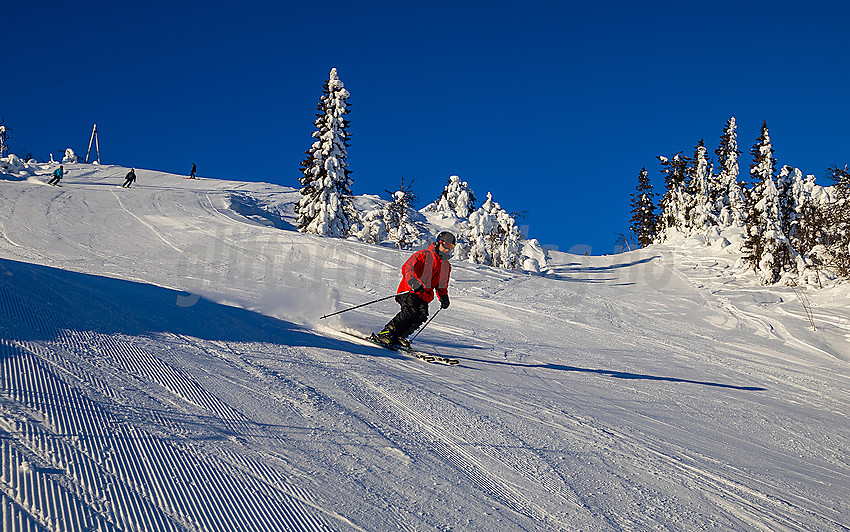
(626, 375)
(38, 303)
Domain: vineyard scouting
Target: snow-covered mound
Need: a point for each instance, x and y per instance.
(163, 367)
(14, 169)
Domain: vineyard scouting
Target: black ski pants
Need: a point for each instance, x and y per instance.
(413, 313)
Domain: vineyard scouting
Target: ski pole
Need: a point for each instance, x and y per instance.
(358, 306)
(423, 327)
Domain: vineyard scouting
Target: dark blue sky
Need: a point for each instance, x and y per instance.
(552, 106)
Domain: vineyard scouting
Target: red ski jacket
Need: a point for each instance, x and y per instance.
(430, 270)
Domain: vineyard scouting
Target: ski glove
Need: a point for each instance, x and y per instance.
(416, 285)
(444, 301)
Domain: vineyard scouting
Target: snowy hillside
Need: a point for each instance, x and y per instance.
(163, 367)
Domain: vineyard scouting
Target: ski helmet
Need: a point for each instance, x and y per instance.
(446, 237)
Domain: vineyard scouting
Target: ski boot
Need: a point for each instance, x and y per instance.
(385, 338)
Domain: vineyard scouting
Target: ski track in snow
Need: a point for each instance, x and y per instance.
(656, 389)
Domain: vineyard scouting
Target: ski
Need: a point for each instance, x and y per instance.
(420, 355)
(433, 358)
(445, 360)
(425, 357)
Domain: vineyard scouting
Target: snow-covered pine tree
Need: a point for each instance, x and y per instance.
(731, 200)
(703, 192)
(325, 207)
(766, 246)
(494, 237)
(457, 199)
(676, 200)
(399, 216)
(644, 219)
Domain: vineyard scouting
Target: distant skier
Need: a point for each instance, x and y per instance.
(130, 178)
(57, 176)
(425, 272)
(194, 169)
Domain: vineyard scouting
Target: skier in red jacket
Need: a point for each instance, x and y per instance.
(425, 272)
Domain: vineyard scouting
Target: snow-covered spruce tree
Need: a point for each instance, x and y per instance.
(731, 200)
(373, 226)
(793, 194)
(812, 236)
(494, 237)
(5, 135)
(457, 199)
(703, 192)
(837, 216)
(325, 207)
(807, 227)
(70, 156)
(676, 200)
(399, 217)
(786, 183)
(752, 247)
(766, 247)
(763, 167)
(644, 219)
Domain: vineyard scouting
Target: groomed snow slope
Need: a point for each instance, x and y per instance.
(162, 367)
